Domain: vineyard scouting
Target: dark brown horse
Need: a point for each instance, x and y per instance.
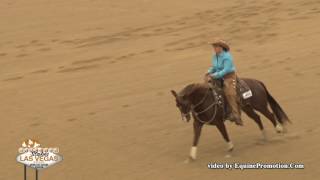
(207, 107)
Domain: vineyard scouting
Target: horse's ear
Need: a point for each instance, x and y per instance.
(174, 93)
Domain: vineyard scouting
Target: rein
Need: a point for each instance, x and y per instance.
(215, 103)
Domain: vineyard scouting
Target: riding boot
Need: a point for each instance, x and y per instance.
(231, 95)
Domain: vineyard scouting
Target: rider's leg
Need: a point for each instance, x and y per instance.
(231, 95)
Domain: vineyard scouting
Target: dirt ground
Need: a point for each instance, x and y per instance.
(94, 77)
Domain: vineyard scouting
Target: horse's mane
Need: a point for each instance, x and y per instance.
(186, 91)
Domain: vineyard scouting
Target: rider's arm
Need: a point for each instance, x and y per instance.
(212, 69)
(228, 67)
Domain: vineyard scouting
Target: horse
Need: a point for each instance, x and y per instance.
(207, 103)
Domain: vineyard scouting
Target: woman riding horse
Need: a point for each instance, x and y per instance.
(207, 108)
(223, 69)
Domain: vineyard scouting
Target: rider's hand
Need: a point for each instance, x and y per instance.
(207, 77)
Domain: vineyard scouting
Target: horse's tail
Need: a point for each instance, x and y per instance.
(276, 108)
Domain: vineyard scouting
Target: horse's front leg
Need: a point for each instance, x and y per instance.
(222, 128)
(197, 126)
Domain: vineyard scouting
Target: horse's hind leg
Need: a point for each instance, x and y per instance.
(271, 117)
(222, 128)
(253, 115)
(197, 126)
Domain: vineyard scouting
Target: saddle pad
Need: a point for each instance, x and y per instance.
(243, 90)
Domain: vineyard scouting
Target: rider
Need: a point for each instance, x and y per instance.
(223, 68)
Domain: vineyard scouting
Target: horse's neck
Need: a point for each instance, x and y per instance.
(198, 95)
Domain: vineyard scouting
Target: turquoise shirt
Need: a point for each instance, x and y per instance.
(222, 64)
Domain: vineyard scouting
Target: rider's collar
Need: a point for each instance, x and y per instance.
(221, 54)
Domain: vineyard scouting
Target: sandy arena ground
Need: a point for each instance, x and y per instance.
(93, 77)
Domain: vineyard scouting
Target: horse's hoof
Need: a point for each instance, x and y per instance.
(189, 160)
(230, 147)
(279, 128)
(279, 132)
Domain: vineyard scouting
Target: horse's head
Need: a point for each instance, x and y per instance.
(184, 99)
(183, 105)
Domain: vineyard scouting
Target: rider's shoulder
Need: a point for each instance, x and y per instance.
(227, 55)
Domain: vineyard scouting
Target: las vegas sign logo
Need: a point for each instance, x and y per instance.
(33, 155)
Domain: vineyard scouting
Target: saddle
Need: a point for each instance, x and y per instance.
(243, 90)
(243, 93)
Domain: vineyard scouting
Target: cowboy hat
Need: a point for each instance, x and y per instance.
(221, 43)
